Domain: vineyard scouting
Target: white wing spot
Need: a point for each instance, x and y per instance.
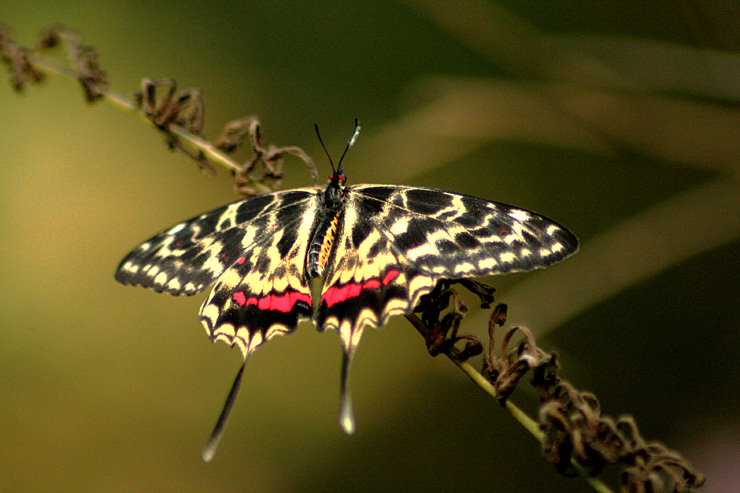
(255, 341)
(176, 229)
(487, 263)
(395, 306)
(400, 226)
(226, 330)
(462, 268)
(211, 313)
(161, 278)
(276, 330)
(507, 257)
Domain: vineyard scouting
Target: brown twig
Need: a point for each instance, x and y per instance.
(180, 116)
(575, 437)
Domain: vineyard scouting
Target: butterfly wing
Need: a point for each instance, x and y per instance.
(453, 236)
(366, 282)
(254, 247)
(395, 243)
(265, 293)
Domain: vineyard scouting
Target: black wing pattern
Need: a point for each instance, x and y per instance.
(452, 235)
(395, 243)
(254, 247)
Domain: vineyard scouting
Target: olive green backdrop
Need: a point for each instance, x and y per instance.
(618, 120)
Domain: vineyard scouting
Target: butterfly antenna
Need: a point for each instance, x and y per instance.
(210, 449)
(346, 415)
(326, 151)
(350, 143)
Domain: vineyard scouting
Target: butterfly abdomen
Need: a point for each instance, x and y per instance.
(325, 228)
(321, 244)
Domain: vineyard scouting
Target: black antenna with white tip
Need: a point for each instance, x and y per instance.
(339, 169)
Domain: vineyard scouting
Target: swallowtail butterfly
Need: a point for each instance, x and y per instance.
(344, 257)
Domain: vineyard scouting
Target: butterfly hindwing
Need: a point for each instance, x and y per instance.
(367, 280)
(265, 292)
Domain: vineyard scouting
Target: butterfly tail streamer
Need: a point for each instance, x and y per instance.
(210, 449)
(346, 413)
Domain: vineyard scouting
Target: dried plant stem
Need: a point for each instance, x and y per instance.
(190, 143)
(528, 423)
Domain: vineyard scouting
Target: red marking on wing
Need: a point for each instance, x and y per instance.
(241, 260)
(392, 274)
(240, 298)
(278, 302)
(336, 295)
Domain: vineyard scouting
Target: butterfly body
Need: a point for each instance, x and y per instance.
(325, 230)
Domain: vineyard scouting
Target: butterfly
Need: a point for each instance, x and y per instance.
(344, 257)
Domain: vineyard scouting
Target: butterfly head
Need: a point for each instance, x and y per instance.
(334, 194)
(338, 178)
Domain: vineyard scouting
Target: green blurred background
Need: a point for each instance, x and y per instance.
(620, 120)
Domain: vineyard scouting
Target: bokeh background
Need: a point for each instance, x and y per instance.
(618, 119)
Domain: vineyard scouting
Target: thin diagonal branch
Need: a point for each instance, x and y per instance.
(520, 416)
(178, 115)
(574, 435)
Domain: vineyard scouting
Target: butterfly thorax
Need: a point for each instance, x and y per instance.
(325, 227)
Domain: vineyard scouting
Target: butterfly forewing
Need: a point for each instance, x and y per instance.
(453, 236)
(253, 247)
(187, 258)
